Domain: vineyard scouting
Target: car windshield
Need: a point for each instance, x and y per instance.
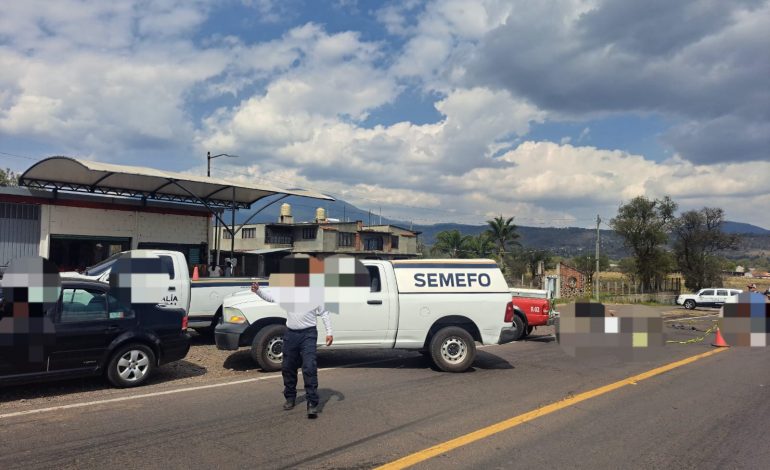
(99, 268)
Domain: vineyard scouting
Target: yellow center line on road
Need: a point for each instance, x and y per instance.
(482, 433)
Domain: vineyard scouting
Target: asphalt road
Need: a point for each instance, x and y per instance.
(378, 407)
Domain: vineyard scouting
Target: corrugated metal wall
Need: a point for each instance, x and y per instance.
(19, 231)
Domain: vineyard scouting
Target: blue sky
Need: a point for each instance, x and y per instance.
(433, 111)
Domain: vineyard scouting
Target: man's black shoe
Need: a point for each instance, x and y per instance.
(312, 411)
(288, 405)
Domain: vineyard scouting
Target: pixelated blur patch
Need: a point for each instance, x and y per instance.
(31, 291)
(143, 279)
(338, 283)
(589, 329)
(746, 320)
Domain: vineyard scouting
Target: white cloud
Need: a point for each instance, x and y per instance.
(114, 81)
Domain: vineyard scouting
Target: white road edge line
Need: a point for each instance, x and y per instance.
(166, 392)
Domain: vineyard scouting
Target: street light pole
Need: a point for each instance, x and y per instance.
(210, 157)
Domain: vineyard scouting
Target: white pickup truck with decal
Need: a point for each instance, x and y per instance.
(201, 299)
(439, 307)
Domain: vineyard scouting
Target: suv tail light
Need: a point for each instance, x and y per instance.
(184, 323)
(509, 312)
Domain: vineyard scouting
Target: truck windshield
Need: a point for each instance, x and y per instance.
(99, 268)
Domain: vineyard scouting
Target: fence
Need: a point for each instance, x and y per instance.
(664, 292)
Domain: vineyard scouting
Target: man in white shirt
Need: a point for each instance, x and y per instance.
(299, 348)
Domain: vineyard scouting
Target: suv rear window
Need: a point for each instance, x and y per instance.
(82, 305)
(722, 293)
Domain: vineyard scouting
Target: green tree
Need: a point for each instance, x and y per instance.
(644, 224)
(480, 246)
(698, 237)
(504, 235)
(8, 177)
(451, 243)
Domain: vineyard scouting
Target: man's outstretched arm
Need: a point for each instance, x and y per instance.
(261, 293)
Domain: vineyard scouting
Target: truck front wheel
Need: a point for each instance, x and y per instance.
(452, 349)
(267, 347)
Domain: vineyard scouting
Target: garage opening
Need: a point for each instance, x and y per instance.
(20, 229)
(77, 252)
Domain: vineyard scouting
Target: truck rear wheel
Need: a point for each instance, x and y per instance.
(528, 331)
(267, 347)
(452, 349)
(520, 326)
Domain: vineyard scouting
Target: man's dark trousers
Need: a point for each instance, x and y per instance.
(299, 348)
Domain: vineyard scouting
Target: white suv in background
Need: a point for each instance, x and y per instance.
(711, 297)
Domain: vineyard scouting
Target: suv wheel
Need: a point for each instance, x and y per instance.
(267, 348)
(689, 304)
(452, 349)
(131, 365)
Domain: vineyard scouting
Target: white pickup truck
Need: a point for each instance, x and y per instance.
(439, 307)
(201, 299)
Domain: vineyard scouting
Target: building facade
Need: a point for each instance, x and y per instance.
(78, 230)
(258, 247)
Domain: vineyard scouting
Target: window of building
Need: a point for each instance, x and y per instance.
(309, 233)
(394, 242)
(346, 239)
(249, 233)
(373, 244)
(226, 235)
(278, 237)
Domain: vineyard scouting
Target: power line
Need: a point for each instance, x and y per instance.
(19, 156)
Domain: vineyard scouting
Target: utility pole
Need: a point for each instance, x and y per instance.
(596, 273)
(217, 233)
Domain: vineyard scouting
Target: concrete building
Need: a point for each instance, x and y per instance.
(260, 246)
(79, 230)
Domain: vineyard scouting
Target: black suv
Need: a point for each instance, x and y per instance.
(89, 332)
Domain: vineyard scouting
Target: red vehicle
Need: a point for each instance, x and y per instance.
(529, 312)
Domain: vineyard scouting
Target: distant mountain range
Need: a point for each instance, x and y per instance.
(567, 242)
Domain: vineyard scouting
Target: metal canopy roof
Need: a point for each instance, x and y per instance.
(71, 174)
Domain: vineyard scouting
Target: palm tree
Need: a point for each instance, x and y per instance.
(451, 243)
(481, 246)
(503, 234)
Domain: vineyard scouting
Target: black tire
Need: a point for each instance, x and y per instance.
(267, 347)
(520, 328)
(452, 349)
(689, 304)
(528, 331)
(131, 365)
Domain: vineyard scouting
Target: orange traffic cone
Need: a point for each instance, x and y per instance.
(719, 342)
(195, 273)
